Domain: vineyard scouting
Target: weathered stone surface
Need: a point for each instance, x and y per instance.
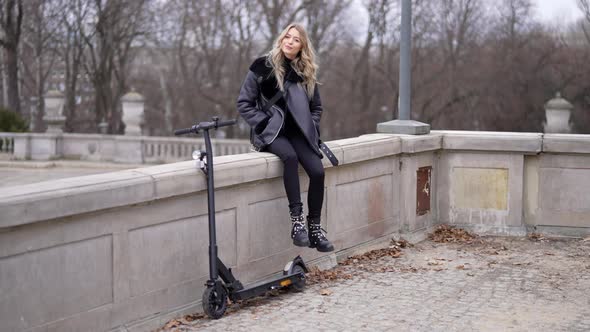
(63, 280)
(421, 143)
(464, 200)
(491, 141)
(563, 143)
(480, 188)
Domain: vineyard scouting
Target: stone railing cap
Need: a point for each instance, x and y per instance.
(491, 141)
(64, 197)
(566, 143)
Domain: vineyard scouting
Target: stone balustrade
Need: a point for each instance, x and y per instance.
(114, 148)
(165, 150)
(128, 250)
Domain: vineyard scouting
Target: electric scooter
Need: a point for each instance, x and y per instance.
(218, 291)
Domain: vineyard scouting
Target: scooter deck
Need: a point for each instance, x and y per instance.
(264, 286)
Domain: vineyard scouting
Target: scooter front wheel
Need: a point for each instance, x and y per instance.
(299, 285)
(214, 302)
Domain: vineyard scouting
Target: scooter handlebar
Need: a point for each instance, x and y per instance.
(185, 131)
(226, 123)
(216, 123)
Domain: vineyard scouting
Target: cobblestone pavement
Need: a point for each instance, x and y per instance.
(493, 284)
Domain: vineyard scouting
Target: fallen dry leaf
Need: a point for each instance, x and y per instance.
(536, 237)
(470, 274)
(402, 243)
(446, 233)
(315, 275)
(392, 251)
(193, 317)
(396, 255)
(172, 324)
(325, 292)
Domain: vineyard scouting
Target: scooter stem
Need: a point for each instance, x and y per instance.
(213, 274)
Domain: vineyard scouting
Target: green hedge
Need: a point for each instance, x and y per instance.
(12, 122)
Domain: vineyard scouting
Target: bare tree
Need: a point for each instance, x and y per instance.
(584, 6)
(278, 13)
(456, 32)
(72, 46)
(321, 18)
(201, 49)
(40, 39)
(108, 53)
(11, 18)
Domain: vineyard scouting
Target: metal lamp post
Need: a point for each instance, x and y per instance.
(404, 125)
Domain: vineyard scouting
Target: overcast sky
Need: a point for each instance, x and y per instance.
(554, 12)
(557, 10)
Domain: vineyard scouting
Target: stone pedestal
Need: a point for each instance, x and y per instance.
(133, 104)
(54, 117)
(407, 127)
(557, 114)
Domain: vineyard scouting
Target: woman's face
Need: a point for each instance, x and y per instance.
(291, 44)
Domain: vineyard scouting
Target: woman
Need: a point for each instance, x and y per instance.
(280, 101)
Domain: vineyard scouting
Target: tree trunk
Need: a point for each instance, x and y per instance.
(40, 112)
(4, 80)
(11, 68)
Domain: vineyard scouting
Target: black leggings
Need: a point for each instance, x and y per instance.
(292, 148)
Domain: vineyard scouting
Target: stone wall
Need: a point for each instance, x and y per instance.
(128, 250)
(514, 183)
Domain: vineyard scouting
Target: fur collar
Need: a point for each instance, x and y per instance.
(264, 71)
(260, 68)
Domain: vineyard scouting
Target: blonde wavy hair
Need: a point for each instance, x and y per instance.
(304, 64)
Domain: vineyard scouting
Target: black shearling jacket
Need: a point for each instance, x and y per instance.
(259, 87)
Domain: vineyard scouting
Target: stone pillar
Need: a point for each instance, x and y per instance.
(54, 102)
(133, 104)
(557, 114)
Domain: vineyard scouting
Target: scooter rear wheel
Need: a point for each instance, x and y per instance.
(214, 302)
